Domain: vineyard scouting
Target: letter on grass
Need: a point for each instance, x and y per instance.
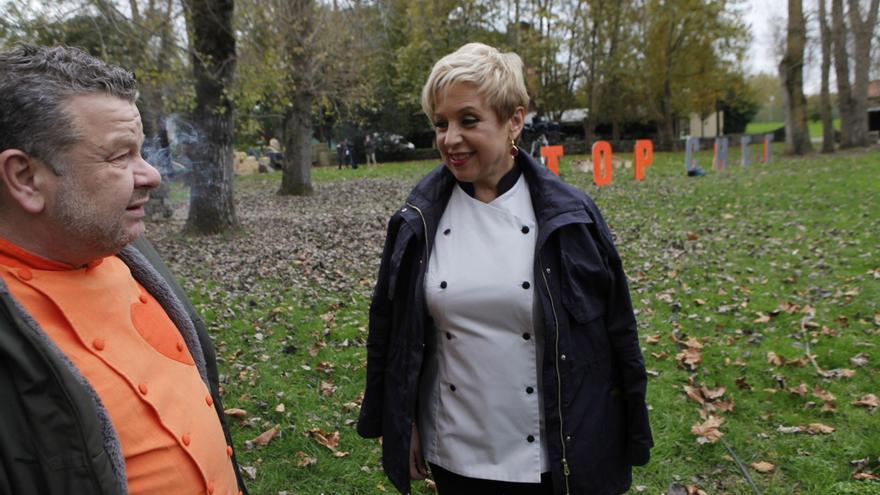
(552, 154)
(720, 159)
(644, 156)
(744, 150)
(768, 151)
(691, 146)
(602, 153)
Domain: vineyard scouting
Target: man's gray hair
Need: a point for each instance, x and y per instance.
(35, 84)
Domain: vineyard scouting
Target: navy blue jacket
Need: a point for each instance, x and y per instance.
(593, 373)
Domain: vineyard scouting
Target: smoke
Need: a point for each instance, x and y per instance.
(172, 150)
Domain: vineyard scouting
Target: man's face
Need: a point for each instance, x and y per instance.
(97, 204)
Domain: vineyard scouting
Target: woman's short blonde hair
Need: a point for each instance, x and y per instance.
(497, 76)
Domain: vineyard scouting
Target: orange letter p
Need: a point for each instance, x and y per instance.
(644, 156)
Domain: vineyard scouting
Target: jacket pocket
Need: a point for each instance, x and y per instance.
(585, 277)
(584, 298)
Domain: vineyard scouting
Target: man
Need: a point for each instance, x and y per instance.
(108, 382)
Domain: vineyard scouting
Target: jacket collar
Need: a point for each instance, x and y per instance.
(555, 202)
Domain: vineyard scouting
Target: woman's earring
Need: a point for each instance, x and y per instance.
(513, 149)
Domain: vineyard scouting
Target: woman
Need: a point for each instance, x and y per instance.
(502, 345)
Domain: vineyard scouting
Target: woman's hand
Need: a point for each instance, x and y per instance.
(417, 470)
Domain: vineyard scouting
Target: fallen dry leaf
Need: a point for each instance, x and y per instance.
(694, 393)
(789, 429)
(329, 440)
(327, 387)
(713, 394)
(763, 467)
(742, 384)
(840, 373)
(325, 366)
(652, 339)
(724, 405)
(774, 359)
(279, 408)
(707, 431)
(859, 360)
(800, 390)
(868, 400)
(304, 460)
(762, 318)
(689, 358)
(865, 476)
(316, 347)
(817, 428)
(236, 413)
(823, 394)
(266, 437)
(788, 307)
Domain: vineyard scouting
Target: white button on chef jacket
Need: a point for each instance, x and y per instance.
(480, 403)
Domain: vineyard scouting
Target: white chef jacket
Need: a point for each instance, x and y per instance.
(480, 406)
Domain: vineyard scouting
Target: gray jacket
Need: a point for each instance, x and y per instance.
(55, 434)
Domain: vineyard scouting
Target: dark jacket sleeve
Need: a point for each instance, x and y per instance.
(621, 326)
(370, 419)
(153, 257)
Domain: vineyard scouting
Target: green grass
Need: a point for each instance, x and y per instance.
(706, 257)
(762, 127)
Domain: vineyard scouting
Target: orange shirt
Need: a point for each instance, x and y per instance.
(123, 342)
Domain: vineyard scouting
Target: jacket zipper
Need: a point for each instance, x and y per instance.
(565, 470)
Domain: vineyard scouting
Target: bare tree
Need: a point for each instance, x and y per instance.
(791, 72)
(824, 96)
(212, 207)
(863, 32)
(299, 51)
(841, 69)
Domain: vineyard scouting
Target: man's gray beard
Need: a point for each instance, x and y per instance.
(83, 226)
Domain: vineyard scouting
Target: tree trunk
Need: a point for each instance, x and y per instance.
(841, 69)
(824, 96)
(863, 31)
(615, 129)
(211, 205)
(791, 71)
(297, 175)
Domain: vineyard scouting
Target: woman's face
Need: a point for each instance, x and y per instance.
(473, 142)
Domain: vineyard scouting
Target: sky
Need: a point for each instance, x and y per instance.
(766, 17)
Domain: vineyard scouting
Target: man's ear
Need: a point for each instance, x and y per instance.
(21, 181)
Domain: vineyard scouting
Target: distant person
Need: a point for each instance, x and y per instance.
(502, 344)
(370, 149)
(537, 144)
(108, 381)
(276, 156)
(340, 154)
(348, 151)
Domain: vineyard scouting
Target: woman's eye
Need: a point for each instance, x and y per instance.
(469, 121)
(441, 124)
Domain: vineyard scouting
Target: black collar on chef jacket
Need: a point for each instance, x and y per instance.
(504, 184)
